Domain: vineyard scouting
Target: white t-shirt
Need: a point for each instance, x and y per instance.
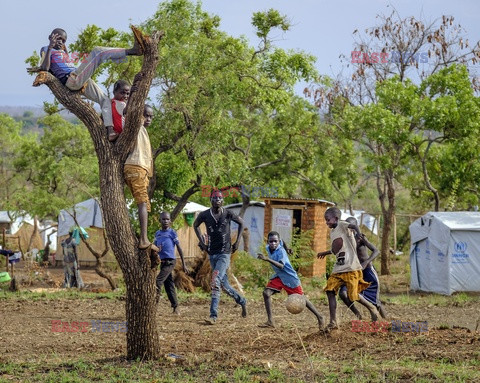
(349, 261)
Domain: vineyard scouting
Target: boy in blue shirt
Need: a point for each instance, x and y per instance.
(166, 239)
(285, 277)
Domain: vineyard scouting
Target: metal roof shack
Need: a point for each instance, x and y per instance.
(286, 215)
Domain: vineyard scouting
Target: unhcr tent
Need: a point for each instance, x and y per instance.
(253, 218)
(367, 220)
(445, 252)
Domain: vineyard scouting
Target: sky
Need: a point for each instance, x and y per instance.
(319, 27)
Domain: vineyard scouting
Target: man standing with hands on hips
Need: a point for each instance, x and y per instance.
(217, 221)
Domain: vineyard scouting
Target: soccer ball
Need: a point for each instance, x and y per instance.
(295, 303)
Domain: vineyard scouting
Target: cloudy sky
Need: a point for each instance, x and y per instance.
(320, 27)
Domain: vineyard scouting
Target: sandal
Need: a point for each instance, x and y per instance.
(266, 325)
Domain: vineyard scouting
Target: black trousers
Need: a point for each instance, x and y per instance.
(165, 278)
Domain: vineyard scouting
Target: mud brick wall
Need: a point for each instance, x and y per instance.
(312, 219)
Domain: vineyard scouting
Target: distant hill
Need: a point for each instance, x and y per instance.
(18, 111)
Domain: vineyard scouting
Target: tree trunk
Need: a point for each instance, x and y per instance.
(426, 177)
(46, 250)
(142, 336)
(183, 200)
(34, 232)
(245, 203)
(386, 195)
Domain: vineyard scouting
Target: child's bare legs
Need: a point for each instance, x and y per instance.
(143, 218)
(382, 311)
(267, 297)
(332, 307)
(371, 308)
(344, 297)
(311, 307)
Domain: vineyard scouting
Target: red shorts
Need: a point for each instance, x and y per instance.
(277, 284)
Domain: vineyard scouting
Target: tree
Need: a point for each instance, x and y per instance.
(450, 121)
(142, 336)
(229, 115)
(59, 168)
(11, 181)
(396, 48)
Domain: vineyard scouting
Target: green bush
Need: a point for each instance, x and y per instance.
(255, 273)
(303, 254)
(251, 271)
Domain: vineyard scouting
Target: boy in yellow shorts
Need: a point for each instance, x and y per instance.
(347, 271)
(137, 171)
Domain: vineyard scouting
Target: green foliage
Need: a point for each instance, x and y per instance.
(60, 168)
(303, 254)
(227, 115)
(252, 272)
(330, 263)
(266, 21)
(12, 182)
(93, 36)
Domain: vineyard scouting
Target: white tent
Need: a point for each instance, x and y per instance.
(367, 220)
(254, 218)
(45, 229)
(19, 220)
(193, 207)
(445, 252)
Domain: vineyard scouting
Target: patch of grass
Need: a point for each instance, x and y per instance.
(464, 298)
(123, 371)
(420, 340)
(357, 369)
(403, 299)
(61, 294)
(460, 299)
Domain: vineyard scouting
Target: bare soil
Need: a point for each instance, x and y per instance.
(26, 333)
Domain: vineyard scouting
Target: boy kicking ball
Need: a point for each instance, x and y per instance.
(285, 278)
(347, 271)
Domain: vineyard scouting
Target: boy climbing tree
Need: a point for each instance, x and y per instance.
(142, 336)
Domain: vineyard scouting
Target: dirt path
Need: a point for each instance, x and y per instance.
(26, 333)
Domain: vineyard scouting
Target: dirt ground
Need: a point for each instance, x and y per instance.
(26, 333)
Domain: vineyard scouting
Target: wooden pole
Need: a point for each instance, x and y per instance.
(394, 237)
(378, 231)
(3, 247)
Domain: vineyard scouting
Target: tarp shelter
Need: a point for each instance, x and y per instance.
(19, 232)
(253, 218)
(445, 252)
(88, 215)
